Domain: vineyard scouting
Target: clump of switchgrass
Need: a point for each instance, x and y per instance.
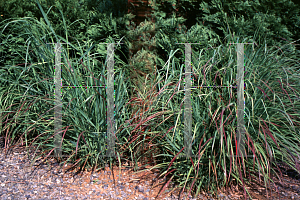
(268, 117)
(27, 100)
(271, 118)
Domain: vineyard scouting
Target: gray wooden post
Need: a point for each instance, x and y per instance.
(240, 101)
(110, 102)
(58, 102)
(187, 101)
(241, 129)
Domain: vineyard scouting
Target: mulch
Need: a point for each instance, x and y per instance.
(18, 180)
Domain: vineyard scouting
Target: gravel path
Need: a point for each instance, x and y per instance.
(20, 181)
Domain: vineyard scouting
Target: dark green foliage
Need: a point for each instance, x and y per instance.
(82, 21)
(206, 20)
(118, 8)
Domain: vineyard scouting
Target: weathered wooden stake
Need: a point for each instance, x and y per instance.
(58, 102)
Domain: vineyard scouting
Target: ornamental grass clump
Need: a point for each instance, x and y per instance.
(271, 118)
